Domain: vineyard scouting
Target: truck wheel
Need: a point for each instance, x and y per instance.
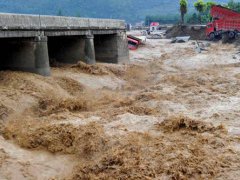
(211, 36)
(236, 36)
(225, 38)
(231, 35)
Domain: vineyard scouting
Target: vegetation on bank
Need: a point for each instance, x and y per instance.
(130, 10)
(183, 9)
(200, 15)
(164, 11)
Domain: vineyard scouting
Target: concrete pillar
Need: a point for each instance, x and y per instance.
(89, 50)
(42, 66)
(122, 48)
(112, 48)
(25, 54)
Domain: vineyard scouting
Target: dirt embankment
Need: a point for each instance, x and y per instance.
(196, 33)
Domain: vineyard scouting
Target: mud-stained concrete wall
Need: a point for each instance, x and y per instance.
(25, 54)
(111, 48)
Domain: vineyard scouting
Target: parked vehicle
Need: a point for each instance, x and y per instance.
(154, 26)
(225, 22)
(133, 42)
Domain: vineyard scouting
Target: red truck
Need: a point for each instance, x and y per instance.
(225, 22)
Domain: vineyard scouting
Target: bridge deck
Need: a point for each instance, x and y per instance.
(43, 22)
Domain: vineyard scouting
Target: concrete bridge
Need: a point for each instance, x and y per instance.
(30, 42)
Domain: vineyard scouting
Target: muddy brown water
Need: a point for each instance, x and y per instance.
(171, 113)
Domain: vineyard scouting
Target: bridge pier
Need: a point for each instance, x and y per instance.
(25, 54)
(111, 48)
(89, 50)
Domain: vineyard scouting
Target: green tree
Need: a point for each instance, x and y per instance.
(200, 7)
(207, 16)
(183, 8)
(192, 18)
(209, 4)
(234, 5)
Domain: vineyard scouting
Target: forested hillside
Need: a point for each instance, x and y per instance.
(130, 10)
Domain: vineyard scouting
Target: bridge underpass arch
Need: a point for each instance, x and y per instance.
(25, 54)
(71, 49)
